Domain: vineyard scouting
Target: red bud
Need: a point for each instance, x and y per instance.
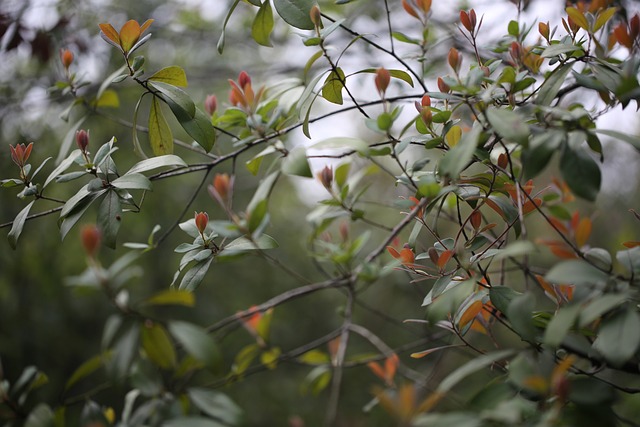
(91, 237)
(82, 140)
(211, 104)
(202, 219)
(466, 21)
(475, 219)
(66, 56)
(425, 101)
(444, 88)
(454, 59)
(383, 78)
(222, 184)
(244, 79)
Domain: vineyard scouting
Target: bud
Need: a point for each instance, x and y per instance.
(244, 79)
(515, 50)
(466, 21)
(222, 185)
(425, 101)
(427, 116)
(444, 88)
(326, 177)
(473, 19)
(316, 16)
(383, 78)
(202, 219)
(20, 154)
(543, 29)
(454, 59)
(634, 26)
(91, 236)
(425, 5)
(503, 161)
(476, 219)
(66, 56)
(211, 104)
(623, 37)
(82, 140)
(433, 255)
(344, 231)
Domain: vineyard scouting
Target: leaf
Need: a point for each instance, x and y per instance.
(263, 190)
(177, 99)
(457, 158)
(263, 24)
(18, 225)
(333, 85)
(633, 140)
(160, 136)
(603, 17)
(40, 416)
(501, 297)
(220, 44)
(195, 275)
(521, 247)
(124, 351)
(470, 367)
(200, 129)
(62, 166)
(108, 99)
(137, 148)
(295, 12)
(69, 139)
(561, 324)
(156, 163)
(296, 163)
(129, 34)
(172, 297)
(549, 89)
(346, 143)
(243, 244)
(172, 75)
(109, 218)
(578, 17)
(600, 306)
(619, 337)
(158, 346)
(538, 154)
(559, 49)
(132, 181)
(215, 404)
(580, 172)
(197, 343)
(509, 125)
(519, 312)
(576, 272)
(87, 368)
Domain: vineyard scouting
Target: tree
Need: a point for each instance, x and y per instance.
(445, 191)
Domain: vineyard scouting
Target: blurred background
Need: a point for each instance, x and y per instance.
(46, 324)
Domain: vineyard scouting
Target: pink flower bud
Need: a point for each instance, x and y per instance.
(82, 140)
(202, 219)
(211, 104)
(326, 177)
(316, 16)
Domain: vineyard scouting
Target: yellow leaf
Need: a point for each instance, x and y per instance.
(578, 18)
(470, 313)
(108, 99)
(537, 383)
(603, 18)
(129, 35)
(160, 136)
(453, 136)
(172, 75)
(110, 32)
(146, 25)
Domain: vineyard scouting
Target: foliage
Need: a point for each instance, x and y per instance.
(552, 323)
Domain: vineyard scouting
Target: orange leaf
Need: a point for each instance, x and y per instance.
(495, 207)
(470, 313)
(583, 231)
(631, 244)
(390, 367)
(559, 225)
(110, 32)
(621, 34)
(394, 253)
(407, 256)
(146, 25)
(563, 252)
(129, 35)
(376, 369)
(530, 207)
(444, 258)
(537, 383)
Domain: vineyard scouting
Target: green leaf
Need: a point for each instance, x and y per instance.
(243, 244)
(63, 166)
(172, 297)
(630, 259)
(501, 297)
(87, 368)
(561, 324)
(172, 75)
(109, 218)
(197, 343)
(137, 148)
(132, 181)
(469, 368)
(559, 49)
(355, 144)
(263, 24)
(509, 125)
(156, 163)
(521, 247)
(576, 272)
(160, 136)
(200, 129)
(633, 140)
(539, 152)
(263, 190)
(256, 216)
(398, 74)
(513, 28)
(519, 312)
(18, 225)
(215, 404)
(179, 102)
(158, 345)
(109, 99)
(220, 44)
(549, 89)
(295, 12)
(333, 85)
(458, 157)
(619, 337)
(296, 163)
(580, 172)
(193, 421)
(124, 351)
(195, 275)
(40, 416)
(600, 306)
